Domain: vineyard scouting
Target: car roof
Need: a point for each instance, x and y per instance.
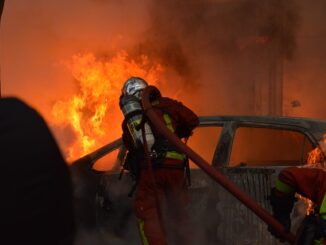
(316, 127)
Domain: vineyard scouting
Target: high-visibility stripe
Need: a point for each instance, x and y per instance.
(142, 232)
(319, 242)
(136, 122)
(132, 128)
(168, 122)
(281, 186)
(172, 154)
(322, 210)
(175, 155)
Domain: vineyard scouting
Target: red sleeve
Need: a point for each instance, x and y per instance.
(185, 120)
(185, 116)
(308, 182)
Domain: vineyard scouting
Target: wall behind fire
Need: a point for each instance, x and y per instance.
(305, 75)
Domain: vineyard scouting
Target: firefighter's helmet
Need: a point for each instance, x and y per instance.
(133, 85)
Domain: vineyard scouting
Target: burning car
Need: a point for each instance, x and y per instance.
(249, 150)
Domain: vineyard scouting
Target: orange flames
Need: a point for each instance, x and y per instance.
(92, 113)
(315, 156)
(315, 159)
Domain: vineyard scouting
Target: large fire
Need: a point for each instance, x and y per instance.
(92, 112)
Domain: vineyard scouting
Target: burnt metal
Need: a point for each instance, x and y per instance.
(222, 152)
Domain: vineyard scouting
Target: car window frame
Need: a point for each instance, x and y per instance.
(236, 125)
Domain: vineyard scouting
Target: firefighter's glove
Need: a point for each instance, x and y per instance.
(282, 204)
(311, 231)
(321, 231)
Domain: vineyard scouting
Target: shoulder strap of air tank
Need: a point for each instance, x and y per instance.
(142, 122)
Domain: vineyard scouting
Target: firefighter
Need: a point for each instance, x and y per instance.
(309, 183)
(161, 194)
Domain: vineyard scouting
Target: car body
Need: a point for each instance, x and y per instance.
(249, 150)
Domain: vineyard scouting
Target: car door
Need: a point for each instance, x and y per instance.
(256, 154)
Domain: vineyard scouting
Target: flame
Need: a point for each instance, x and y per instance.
(91, 112)
(315, 159)
(315, 156)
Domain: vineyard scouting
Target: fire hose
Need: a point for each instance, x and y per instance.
(211, 171)
(151, 174)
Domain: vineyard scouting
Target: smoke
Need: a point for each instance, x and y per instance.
(205, 44)
(305, 76)
(39, 36)
(209, 43)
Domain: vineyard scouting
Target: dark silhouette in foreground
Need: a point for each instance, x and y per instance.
(36, 204)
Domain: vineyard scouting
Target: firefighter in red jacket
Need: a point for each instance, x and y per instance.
(309, 183)
(161, 195)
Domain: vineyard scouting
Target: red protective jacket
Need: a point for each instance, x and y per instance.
(308, 182)
(159, 204)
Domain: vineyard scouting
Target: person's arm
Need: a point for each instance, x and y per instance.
(282, 200)
(304, 182)
(186, 120)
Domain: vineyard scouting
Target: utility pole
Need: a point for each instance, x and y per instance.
(2, 3)
(268, 82)
(275, 79)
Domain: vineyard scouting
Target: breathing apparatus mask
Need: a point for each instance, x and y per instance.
(130, 105)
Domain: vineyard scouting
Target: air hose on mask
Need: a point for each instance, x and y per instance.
(208, 169)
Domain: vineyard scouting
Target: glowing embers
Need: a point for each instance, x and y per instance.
(305, 206)
(92, 112)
